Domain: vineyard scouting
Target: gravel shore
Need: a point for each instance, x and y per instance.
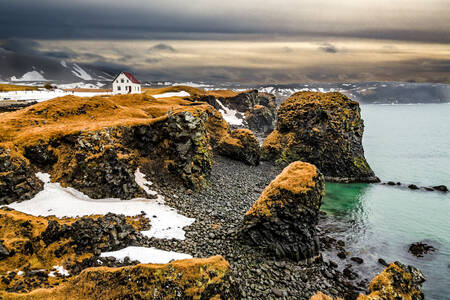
(219, 211)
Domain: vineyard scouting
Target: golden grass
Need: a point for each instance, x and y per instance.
(191, 275)
(70, 115)
(14, 88)
(296, 178)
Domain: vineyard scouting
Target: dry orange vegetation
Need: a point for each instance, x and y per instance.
(69, 115)
(192, 277)
(14, 88)
(296, 178)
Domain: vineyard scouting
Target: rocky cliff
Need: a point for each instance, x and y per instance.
(96, 144)
(240, 144)
(284, 217)
(324, 129)
(256, 109)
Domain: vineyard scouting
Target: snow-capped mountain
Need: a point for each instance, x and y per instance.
(16, 67)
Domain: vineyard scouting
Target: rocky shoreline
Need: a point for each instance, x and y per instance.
(219, 211)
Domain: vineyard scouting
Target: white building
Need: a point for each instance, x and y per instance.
(126, 83)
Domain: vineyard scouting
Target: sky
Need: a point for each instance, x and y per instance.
(249, 41)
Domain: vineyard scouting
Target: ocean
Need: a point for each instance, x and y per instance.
(410, 144)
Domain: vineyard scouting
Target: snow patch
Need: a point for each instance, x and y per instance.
(172, 94)
(79, 72)
(146, 255)
(60, 270)
(192, 84)
(143, 183)
(30, 76)
(44, 95)
(64, 64)
(56, 200)
(229, 114)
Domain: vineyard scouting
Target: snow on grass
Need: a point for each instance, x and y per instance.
(80, 85)
(229, 115)
(146, 255)
(44, 95)
(80, 72)
(30, 76)
(165, 222)
(172, 94)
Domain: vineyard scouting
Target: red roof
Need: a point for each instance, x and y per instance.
(130, 76)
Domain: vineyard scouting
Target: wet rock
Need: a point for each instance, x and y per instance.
(413, 187)
(341, 255)
(349, 273)
(383, 262)
(441, 188)
(241, 145)
(283, 219)
(357, 260)
(324, 129)
(419, 249)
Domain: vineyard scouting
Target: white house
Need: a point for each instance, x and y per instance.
(126, 83)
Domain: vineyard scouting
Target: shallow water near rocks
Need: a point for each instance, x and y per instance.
(410, 144)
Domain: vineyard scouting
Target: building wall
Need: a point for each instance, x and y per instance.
(122, 85)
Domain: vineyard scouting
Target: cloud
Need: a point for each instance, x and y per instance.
(328, 48)
(162, 48)
(22, 46)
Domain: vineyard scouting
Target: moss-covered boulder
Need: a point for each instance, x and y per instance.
(324, 129)
(283, 220)
(396, 282)
(209, 278)
(261, 118)
(240, 144)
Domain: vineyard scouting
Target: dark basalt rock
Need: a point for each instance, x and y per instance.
(41, 155)
(17, 179)
(441, 188)
(241, 145)
(4, 253)
(324, 129)
(8, 106)
(282, 221)
(419, 249)
(261, 118)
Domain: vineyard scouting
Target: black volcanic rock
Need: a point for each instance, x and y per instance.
(324, 129)
(283, 220)
(241, 144)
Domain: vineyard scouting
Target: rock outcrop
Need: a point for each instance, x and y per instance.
(17, 179)
(209, 278)
(396, 282)
(96, 144)
(257, 109)
(324, 129)
(240, 144)
(283, 220)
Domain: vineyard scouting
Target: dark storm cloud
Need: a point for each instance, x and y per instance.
(140, 19)
(328, 48)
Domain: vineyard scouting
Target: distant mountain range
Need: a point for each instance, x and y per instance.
(16, 67)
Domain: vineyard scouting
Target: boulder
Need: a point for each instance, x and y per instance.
(283, 220)
(396, 282)
(240, 144)
(17, 179)
(209, 278)
(324, 129)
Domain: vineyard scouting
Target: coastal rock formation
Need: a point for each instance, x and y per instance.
(324, 129)
(261, 118)
(240, 144)
(257, 109)
(96, 144)
(209, 278)
(284, 218)
(17, 179)
(396, 282)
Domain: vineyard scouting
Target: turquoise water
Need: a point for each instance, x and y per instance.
(410, 144)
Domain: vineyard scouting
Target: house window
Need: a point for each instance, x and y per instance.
(121, 80)
(118, 88)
